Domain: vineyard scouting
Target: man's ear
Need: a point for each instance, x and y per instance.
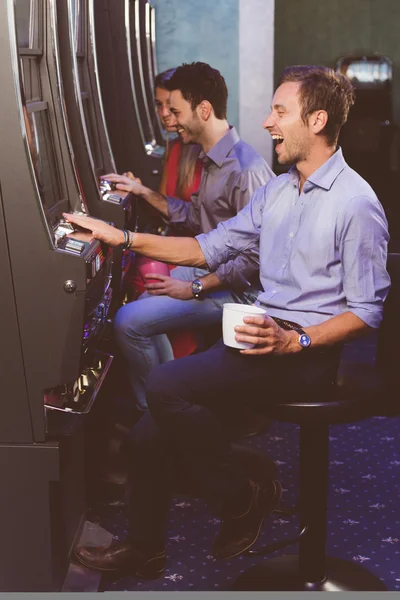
(318, 120)
(204, 110)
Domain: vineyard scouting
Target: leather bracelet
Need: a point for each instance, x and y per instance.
(125, 243)
(288, 325)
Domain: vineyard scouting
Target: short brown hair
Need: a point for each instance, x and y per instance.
(198, 81)
(322, 88)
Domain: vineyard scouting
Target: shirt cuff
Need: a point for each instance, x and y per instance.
(213, 261)
(371, 316)
(177, 210)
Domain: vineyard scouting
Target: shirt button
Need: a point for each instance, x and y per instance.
(291, 234)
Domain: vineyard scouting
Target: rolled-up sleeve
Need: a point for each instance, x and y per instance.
(364, 240)
(187, 213)
(237, 236)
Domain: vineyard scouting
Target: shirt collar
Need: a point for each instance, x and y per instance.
(221, 149)
(326, 174)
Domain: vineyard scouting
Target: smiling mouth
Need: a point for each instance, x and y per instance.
(277, 139)
(180, 130)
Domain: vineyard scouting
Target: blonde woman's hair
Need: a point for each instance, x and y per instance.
(187, 167)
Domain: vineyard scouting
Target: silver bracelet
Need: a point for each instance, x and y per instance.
(131, 237)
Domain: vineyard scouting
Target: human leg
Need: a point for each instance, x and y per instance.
(185, 398)
(140, 327)
(151, 462)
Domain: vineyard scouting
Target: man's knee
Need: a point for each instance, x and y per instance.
(129, 322)
(122, 321)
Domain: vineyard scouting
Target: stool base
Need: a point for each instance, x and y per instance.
(282, 574)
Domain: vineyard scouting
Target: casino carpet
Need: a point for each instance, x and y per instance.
(363, 509)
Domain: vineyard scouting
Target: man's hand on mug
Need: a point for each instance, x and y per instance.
(267, 336)
(100, 230)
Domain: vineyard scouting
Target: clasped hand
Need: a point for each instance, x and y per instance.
(266, 335)
(168, 286)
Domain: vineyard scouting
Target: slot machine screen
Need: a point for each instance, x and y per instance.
(43, 155)
(368, 74)
(150, 73)
(28, 23)
(42, 141)
(138, 80)
(80, 20)
(371, 77)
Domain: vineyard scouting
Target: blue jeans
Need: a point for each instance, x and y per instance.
(140, 327)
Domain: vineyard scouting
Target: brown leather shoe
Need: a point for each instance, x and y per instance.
(239, 533)
(122, 556)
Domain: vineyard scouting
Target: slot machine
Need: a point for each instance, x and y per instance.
(128, 109)
(74, 36)
(56, 293)
(153, 61)
(369, 138)
(147, 47)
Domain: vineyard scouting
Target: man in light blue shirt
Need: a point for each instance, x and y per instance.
(322, 236)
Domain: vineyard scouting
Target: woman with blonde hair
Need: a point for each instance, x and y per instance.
(182, 167)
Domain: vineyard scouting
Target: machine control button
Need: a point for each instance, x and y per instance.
(70, 286)
(75, 246)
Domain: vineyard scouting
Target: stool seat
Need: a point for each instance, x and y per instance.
(357, 395)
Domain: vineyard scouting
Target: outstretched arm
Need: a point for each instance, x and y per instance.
(178, 251)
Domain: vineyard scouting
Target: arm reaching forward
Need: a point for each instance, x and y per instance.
(178, 251)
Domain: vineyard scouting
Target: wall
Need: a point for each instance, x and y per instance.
(236, 37)
(189, 30)
(256, 68)
(321, 31)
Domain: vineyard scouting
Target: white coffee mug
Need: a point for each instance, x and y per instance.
(231, 317)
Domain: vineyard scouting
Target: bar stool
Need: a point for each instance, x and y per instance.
(358, 395)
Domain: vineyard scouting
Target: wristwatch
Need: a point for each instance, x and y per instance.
(197, 288)
(304, 338)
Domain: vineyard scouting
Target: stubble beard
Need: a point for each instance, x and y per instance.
(297, 153)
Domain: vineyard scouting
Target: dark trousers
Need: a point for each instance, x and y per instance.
(184, 429)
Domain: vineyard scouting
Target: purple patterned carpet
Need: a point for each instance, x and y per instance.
(363, 516)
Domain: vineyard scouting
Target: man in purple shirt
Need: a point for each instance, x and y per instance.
(233, 170)
(322, 236)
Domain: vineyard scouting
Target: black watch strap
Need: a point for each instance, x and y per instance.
(289, 325)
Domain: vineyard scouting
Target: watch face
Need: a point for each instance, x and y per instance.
(304, 340)
(197, 286)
